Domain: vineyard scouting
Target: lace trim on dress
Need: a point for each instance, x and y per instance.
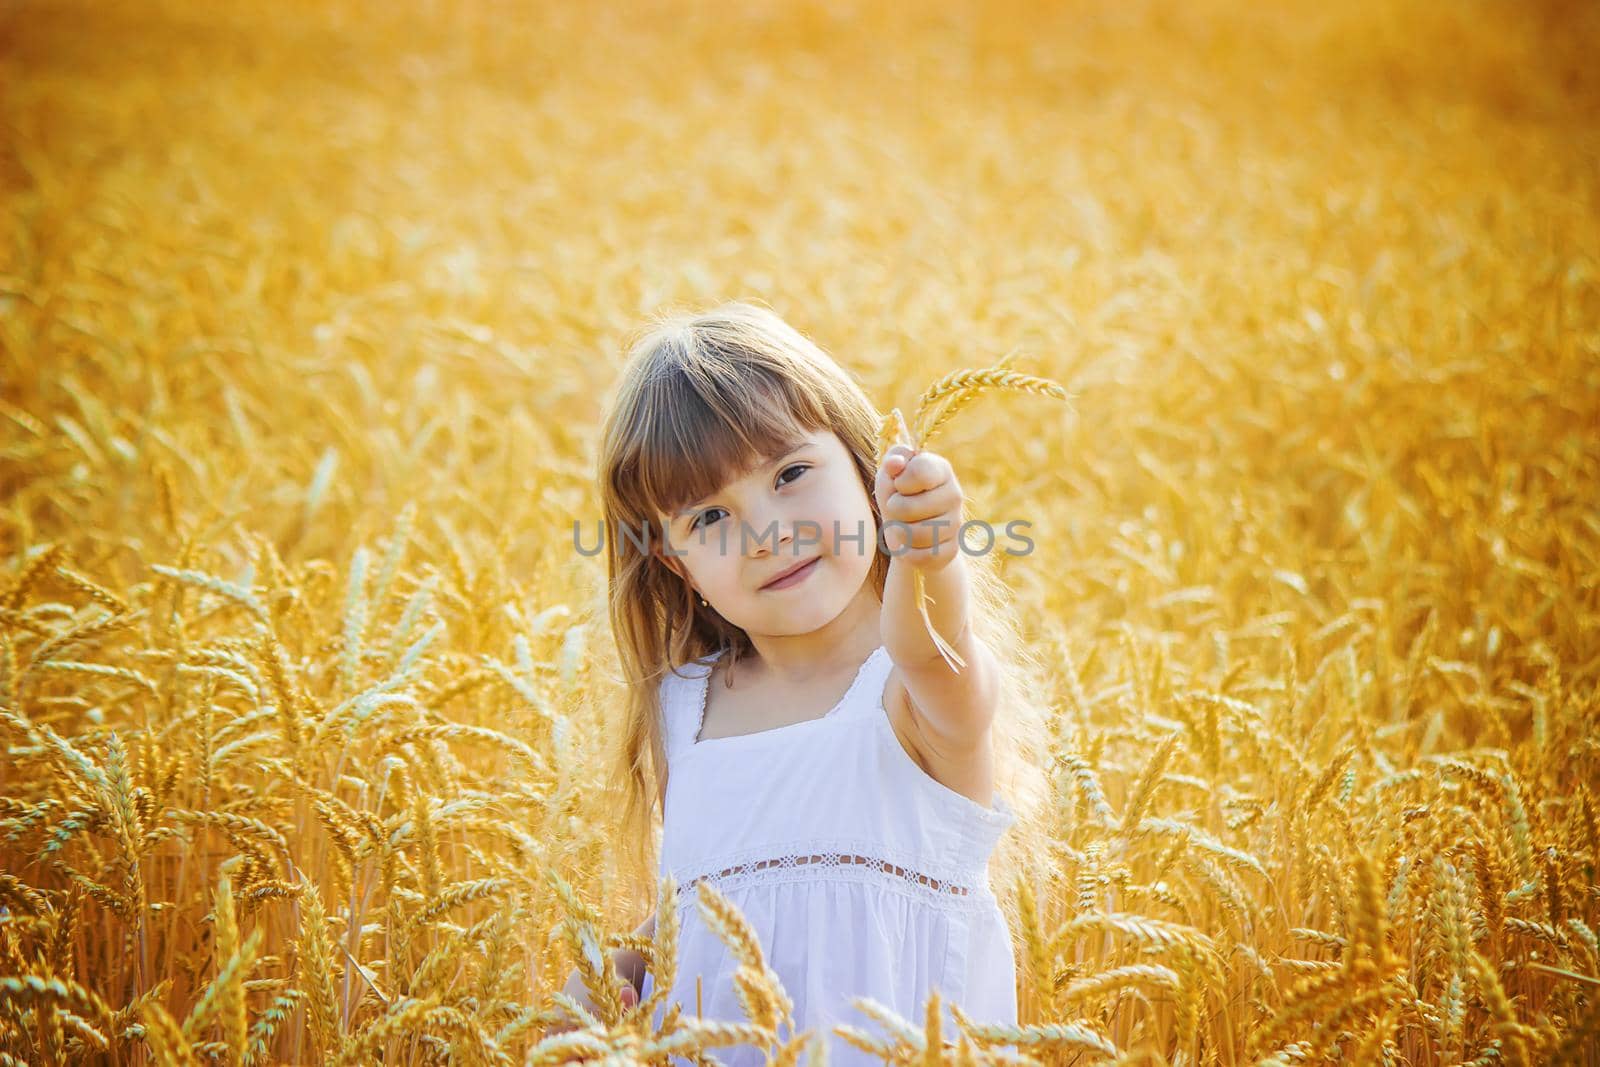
(846, 864)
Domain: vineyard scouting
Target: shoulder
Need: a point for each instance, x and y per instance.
(676, 688)
(684, 674)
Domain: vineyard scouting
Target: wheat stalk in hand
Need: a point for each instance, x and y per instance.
(937, 405)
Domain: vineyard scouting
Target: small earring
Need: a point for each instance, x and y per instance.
(703, 602)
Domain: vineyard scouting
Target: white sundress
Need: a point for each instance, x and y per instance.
(860, 874)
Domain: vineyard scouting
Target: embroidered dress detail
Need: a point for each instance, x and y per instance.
(848, 865)
(745, 873)
(860, 874)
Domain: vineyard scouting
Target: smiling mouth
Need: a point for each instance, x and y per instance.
(798, 572)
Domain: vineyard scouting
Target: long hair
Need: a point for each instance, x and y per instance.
(700, 394)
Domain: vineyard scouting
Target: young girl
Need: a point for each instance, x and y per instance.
(815, 758)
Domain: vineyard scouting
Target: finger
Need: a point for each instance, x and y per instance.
(900, 509)
(882, 488)
(939, 502)
(924, 535)
(898, 540)
(893, 464)
(925, 471)
(903, 451)
(894, 461)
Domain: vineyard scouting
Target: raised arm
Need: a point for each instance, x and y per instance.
(919, 493)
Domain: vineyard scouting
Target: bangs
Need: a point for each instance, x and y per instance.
(699, 432)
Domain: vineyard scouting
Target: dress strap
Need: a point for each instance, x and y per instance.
(679, 695)
(866, 692)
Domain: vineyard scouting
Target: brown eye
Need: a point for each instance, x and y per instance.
(792, 467)
(695, 525)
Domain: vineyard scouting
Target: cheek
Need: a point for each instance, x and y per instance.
(861, 510)
(858, 527)
(847, 498)
(711, 568)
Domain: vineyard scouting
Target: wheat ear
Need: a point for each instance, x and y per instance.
(937, 405)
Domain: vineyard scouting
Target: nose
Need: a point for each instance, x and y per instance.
(761, 542)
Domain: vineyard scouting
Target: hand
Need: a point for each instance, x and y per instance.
(919, 489)
(576, 989)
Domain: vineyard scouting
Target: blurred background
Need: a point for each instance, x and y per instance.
(307, 315)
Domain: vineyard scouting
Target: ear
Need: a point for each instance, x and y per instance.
(672, 563)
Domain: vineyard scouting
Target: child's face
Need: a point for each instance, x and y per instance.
(806, 505)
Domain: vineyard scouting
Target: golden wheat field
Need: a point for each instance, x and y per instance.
(307, 315)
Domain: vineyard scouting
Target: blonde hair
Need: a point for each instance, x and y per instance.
(700, 394)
